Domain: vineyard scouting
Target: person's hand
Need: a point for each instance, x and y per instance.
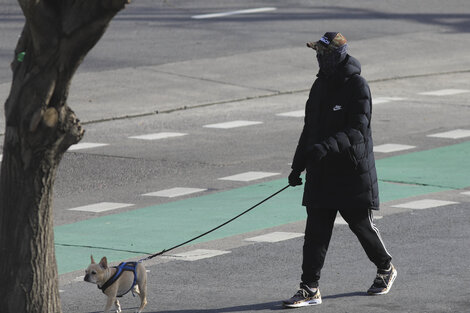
(294, 178)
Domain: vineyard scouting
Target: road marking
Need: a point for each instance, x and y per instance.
(86, 145)
(423, 204)
(444, 92)
(380, 100)
(229, 13)
(1, 157)
(467, 193)
(299, 113)
(174, 192)
(274, 237)
(101, 207)
(340, 220)
(79, 278)
(233, 124)
(453, 134)
(249, 176)
(391, 147)
(157, 136)
(195, 255)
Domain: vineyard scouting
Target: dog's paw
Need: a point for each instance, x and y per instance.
(118, 306)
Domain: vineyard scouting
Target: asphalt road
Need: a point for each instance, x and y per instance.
(157, 70)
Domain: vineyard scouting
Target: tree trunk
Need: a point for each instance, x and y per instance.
(40, 127)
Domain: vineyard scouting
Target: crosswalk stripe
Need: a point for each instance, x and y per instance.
(79, 278)
(229, 13)
(299, 113)
(156, 136)
(274, 237)
(392, 147)
(249, 176)
(233, 124)
(174, 192)
(453, 134)
(340, 220)
(101, 207)
(444, 92)
(195, 255)
(86, 145)
(380, 100)
(423, 204)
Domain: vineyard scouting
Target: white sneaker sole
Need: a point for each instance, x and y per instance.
(303, 304)
(394, 275)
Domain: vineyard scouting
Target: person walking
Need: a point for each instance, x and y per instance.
(335, 149)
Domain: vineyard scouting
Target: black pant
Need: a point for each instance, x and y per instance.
(318, 234)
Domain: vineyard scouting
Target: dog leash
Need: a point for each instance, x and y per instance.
(215, 228)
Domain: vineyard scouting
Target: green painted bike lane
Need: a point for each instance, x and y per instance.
(151, 229)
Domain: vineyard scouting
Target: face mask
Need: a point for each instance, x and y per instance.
(329, 60)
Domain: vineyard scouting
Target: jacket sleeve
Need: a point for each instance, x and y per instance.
(358, 120)
(300, 158)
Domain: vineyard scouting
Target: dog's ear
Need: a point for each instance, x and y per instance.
(92, 260)
(104, 263)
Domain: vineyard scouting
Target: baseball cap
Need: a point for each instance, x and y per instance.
(330, 41)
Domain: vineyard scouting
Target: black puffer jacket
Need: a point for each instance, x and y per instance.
(337, 128)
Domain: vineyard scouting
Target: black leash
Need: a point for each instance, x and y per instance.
(213, 229)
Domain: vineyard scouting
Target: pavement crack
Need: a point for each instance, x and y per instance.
(210, 80)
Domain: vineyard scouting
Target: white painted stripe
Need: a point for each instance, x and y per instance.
(223, 14)
(453, 134)
(61, 291)
(157, 136)
(391, 147)
(467, 193)
(233, 124)
(423, 204)
(380, 100)
(249, 176)
(1, 157)
(86, 145)
(195, 255)
(340, 220)
(174, 192)
(101, 207)
(79, 278)
(274, 237)
(444, 92)
(371, 221)
(300, 113)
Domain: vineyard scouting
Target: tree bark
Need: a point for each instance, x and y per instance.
(40, 127)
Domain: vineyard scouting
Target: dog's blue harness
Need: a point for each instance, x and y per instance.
(124, 266)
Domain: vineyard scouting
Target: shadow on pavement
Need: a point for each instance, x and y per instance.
(273, 306)
(346, 295)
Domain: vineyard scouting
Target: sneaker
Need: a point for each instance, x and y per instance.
(305, 296)
(383, 281)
